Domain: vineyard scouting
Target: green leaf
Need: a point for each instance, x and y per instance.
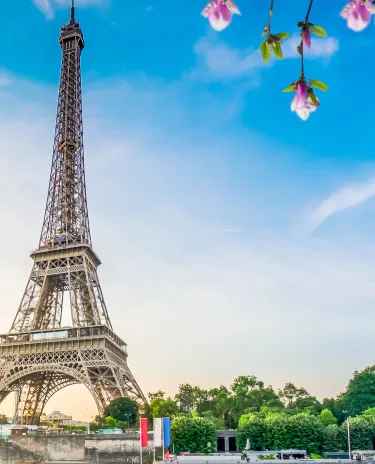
(282, 35)
(319, 31)
(319, 85)
(290, 88)
(265, 50)
(313, 98)
(276, 48)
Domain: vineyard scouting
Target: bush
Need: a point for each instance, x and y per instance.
(192, 434)
(255, 428)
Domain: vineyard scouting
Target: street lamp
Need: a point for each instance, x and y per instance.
(348, 425)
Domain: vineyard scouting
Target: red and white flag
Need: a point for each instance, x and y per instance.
(144, 431)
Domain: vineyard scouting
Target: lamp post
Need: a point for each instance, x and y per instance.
(348, 426)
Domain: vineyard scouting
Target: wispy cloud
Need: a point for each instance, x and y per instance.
(218, 60)
(344, 198)
(47, 7)
(5, 79)
(320, 48)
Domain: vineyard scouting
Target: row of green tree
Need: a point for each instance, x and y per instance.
(316, 434)
(247, 394)
(289, 417)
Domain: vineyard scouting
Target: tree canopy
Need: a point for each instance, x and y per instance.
(193, 434)
(290, 418)
(123, 409)
(360, 392)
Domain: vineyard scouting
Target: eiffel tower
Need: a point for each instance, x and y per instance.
(38, 357)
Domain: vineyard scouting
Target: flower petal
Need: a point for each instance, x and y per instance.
(349, 7)
(360, 16)
(218, 22)
(233, 7)
(355, 23)
(364, 12)
(293, 106)
(301, 96)
(210, 7)
(303, 113)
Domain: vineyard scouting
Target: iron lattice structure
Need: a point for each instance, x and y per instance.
(39, 357)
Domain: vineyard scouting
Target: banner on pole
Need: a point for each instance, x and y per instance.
(144, 431)
(166, 431)
(157, 432)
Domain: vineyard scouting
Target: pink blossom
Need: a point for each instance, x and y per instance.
(300, 99)
(308, 107)
(306, 36)
(358, 14)
(220, 12)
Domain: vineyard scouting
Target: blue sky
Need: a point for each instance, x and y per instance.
(235, 237)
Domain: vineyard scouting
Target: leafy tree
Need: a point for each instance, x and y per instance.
(362, 431)
(278, 431)
(332, 438)
(256, 429)
(3, 419)
(360, 392)
(192, 434)
(161, 407)
(218, 422)
(305, 432)
(100, 421)
(220, 401)
(122, 425)
(249, 395)
(290, 394)
(94, 427)
(326, 417)
(186, 398)
(336, 406)
(204, 402)
(110, 422)
(307, 404)
(369, 412)
(156, 395)
(123, 409)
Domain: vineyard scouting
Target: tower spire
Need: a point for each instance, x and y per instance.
(72, 11)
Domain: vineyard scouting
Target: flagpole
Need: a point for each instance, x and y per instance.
(162, 428)
(154, 447)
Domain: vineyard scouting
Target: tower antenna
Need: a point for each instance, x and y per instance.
(72, 19)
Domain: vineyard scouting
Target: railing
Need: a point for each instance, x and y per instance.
(60, 245)
(63, 334)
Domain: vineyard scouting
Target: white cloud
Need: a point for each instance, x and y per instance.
(223, 62)
(47, 7)
(320, 48)
(218, 60)
(5, 79)
(341, 200)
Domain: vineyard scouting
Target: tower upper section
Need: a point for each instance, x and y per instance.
(72, 32)
(66, 219)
